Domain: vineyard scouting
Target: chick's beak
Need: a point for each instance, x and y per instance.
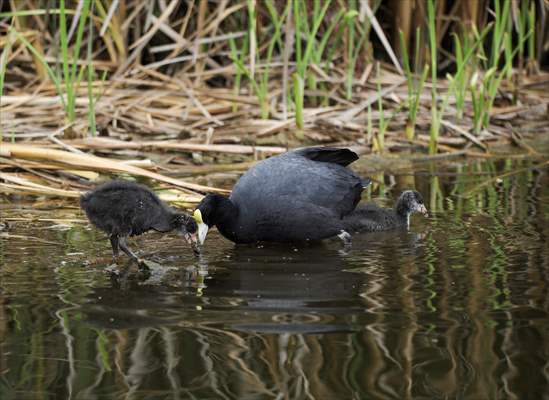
(191, 238)
(422, 209)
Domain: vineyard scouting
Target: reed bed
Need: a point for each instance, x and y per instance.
(152, 88)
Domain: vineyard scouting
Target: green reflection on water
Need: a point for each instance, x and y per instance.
(456, 307)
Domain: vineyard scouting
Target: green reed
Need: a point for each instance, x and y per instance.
(70, 74)
(415, 86)
(258, 81)
(91, 77)
(435, 119)
(484, 86)
(378, 142)
(305, 31)
(66, 83)
(238, 56)
(353, 51)
(3, 65)
(462, 45)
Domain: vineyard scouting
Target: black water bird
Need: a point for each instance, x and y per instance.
(300, 195)
(123, 208)
(371, 218)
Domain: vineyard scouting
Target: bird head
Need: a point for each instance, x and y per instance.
(411, 201)
(187, 227)
(212, 209)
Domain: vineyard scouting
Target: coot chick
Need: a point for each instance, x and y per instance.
(371, 218)
(296, 196)
(123, 208)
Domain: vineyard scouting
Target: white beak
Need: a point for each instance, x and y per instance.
(202, 232)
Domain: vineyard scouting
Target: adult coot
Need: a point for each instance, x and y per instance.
(123, 208)
(300, 195)
(371, 218)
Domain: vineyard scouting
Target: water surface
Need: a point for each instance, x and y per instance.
(456, 307)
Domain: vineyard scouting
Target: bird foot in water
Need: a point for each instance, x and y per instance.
(345, 237)
(196, 249)
(113, 269)
(143, 264)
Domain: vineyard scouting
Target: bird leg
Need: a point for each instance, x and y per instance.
(124, 246)
(345, 237)
(114, 244)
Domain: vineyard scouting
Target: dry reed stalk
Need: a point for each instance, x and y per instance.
(463, 132)
(168, 98)
(86, 161)
(104, 143)
(25, 185)
(29, 188)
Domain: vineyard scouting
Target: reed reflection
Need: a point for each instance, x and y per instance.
(457, 307)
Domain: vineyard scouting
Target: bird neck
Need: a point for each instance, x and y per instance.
(226, 212)
(177, 219)
(226, 218)
(403, 212)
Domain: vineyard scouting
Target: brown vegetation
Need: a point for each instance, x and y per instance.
(231, 77)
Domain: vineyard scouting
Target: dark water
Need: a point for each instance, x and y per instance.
(457, 307)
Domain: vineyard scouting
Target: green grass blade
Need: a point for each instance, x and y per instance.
(91, 78)
(67, 76)
(532, 26)
(3, 65)
(79, 34)
(40, 57)
(435, 123)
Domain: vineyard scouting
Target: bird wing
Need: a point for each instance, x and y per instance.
(341, 157)
(304, 175)
(370, 218)
(333, 187)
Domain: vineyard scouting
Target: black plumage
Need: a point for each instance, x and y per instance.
(123, 208)
(300, 195)
(371, 218)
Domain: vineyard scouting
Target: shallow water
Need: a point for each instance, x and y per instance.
(456, 307)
